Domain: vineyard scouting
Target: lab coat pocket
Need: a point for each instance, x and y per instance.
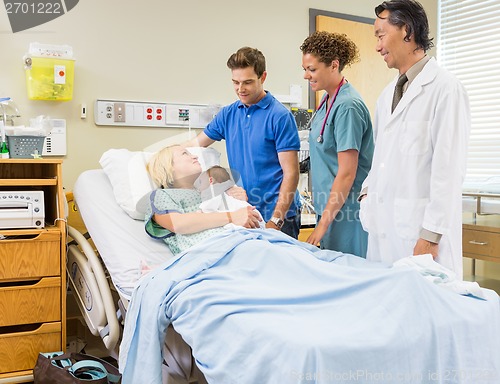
(415, 138)
(408, 216)
(364, 216)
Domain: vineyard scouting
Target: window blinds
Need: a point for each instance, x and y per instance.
(469, 47)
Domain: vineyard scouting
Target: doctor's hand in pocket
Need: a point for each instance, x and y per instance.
(423, 247)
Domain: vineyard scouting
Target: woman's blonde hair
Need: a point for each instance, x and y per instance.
(161, 167)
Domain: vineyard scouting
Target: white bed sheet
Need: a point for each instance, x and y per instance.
(122, 242)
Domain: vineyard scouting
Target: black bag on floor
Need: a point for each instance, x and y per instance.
(74, 368)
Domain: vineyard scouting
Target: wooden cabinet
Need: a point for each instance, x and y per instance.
(481, 228)
(308, 223)
(32, 272)
(481, 237)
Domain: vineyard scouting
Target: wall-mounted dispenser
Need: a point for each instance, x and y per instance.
(50, 72)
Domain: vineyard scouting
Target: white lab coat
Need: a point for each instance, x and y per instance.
(418, 168)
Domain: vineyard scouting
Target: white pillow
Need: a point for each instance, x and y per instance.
(130, 179)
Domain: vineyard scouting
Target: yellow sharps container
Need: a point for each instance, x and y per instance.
(49, 78)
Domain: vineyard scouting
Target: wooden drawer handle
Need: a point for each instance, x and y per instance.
(478, 242)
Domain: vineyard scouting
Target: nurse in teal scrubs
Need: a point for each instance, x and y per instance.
(340, 141)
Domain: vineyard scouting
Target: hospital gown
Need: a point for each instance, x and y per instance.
(175, 200)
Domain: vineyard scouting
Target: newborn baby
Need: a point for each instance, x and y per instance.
(213, 184)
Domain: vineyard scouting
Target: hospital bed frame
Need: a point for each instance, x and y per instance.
(93, 288)
(88, 282)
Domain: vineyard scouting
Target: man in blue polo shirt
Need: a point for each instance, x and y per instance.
(262, 143)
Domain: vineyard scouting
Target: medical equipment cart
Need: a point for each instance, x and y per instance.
(32, 272)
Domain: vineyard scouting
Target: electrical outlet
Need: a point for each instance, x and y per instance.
(119, 112)
(147, 114)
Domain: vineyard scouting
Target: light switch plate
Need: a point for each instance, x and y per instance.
(119, 112)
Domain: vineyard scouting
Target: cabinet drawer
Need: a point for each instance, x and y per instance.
(19, 350)
(305, 233)
(27, 304)
(481, 243)
(31, 257)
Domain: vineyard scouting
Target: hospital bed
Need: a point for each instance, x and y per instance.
(253, 315)
(481, 210)
(482, 197)
(97, 278)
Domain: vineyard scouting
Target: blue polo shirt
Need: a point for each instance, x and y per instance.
(254, 136)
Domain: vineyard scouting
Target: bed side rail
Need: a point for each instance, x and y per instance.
(92, 291)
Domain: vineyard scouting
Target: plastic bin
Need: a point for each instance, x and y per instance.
(49, 78)
(25, 147)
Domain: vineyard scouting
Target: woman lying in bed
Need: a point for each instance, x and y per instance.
(257, 306)
(173, 214)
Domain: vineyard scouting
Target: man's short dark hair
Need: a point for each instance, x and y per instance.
(248, 57)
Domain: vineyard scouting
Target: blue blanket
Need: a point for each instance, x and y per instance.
(257, 306)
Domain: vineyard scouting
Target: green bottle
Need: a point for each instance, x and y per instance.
(4, 151)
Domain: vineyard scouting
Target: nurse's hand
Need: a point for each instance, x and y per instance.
(238, 193)
(423, 247)
(318, 233)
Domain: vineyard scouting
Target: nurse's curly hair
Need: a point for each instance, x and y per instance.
(329, 46)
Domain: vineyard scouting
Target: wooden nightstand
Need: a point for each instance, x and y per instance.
(481, 231)
(32, 272)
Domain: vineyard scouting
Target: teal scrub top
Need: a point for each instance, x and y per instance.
(348, 126)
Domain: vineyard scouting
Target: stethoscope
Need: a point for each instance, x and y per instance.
(308, 126)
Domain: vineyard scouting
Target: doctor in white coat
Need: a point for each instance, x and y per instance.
(411, 200)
